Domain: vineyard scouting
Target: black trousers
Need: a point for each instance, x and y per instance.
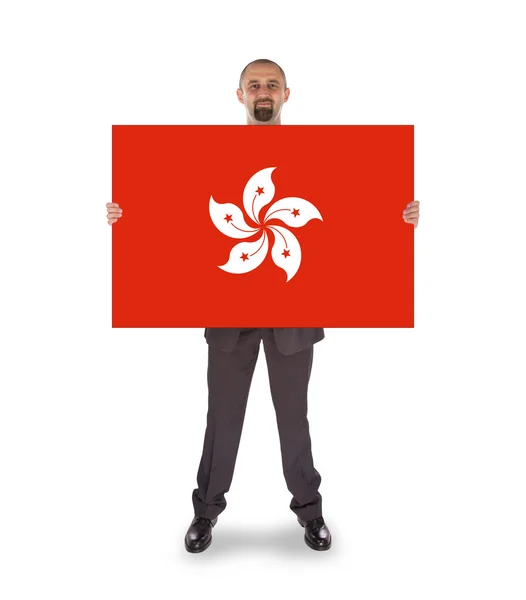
(229, 379)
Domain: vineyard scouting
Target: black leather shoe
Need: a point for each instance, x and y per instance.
(199, 534)
(317, 534)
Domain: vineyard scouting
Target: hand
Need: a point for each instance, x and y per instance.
(412, 212)
(114, 212)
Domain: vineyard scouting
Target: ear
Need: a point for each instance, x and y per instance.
(240, 96)
(286, 95)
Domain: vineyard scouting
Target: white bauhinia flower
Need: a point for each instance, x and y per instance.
(285, 250)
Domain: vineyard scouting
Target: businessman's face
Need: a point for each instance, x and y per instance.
(263, 94)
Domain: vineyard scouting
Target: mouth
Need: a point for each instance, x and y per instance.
(263, 104)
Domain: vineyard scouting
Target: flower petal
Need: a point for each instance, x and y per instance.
(294, 212)
(246, 256)
(258, 192)
(286, 250)
(228, 218)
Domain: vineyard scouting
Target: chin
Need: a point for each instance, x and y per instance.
(263, 117)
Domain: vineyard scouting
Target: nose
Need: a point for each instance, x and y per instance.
(266, 92)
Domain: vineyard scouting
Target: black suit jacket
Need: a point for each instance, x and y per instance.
(289, 340)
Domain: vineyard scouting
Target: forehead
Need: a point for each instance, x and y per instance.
(263, 73)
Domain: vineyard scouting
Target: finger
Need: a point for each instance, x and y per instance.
(112, 204)
(411, 212)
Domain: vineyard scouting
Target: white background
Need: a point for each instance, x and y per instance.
(418, 434)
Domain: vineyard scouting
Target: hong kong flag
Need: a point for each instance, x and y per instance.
(262, 226)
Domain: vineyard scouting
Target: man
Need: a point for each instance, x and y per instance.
(232, 356)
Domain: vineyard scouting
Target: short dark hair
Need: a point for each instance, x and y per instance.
(261, 61)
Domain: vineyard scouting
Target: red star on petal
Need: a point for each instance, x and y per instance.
(244, 256)
(259, 191)
(296, 212)
(228, 218)
(286, 253)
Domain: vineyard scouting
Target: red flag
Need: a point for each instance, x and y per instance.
(254, 226)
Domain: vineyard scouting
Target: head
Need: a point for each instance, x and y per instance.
(263, 90)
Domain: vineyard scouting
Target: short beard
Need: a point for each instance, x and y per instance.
(263, 114)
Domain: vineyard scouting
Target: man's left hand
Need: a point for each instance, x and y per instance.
(411, 213)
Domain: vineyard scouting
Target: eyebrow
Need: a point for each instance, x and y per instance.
(257, 81)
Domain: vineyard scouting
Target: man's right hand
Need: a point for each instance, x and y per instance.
(114, 212)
